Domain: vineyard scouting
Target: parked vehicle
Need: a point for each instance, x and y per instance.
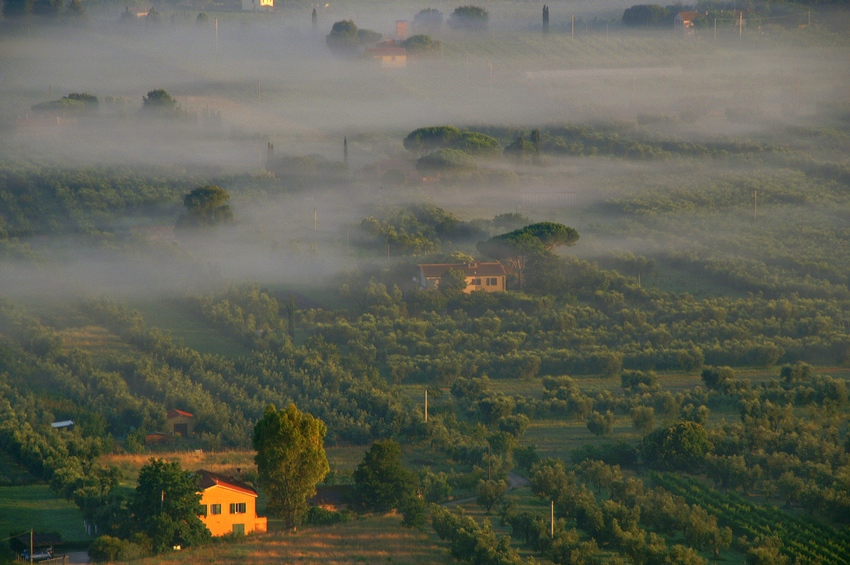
(37, 554)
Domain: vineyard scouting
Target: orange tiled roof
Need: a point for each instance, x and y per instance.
(210, 479)
(477, 269)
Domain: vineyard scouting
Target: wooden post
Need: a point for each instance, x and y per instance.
(755, 204)
(741, 25)
(31, 545)
(216, 34)
(426, 405)
(315, 219)
(552, 521)
(715, 29)
(572, 26)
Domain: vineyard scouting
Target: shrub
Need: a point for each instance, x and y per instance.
(318, 516)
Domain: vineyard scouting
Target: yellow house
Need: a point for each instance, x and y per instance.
(390, 57)
(229, 506)
(489, 277)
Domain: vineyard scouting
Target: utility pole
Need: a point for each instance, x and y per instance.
(315, 219)
(31, 535)
(489, 458)
(216, 34)
(426, 405)
(755, 204)
(572, 26)
(715, 29)
(552, 521)
(345, 152)
(740, 26)
(258, 91)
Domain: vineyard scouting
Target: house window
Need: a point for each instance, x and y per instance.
(476, 282)
(238, 508)
(239, 529)
(215, 509)
(493, 281)
(203, 510)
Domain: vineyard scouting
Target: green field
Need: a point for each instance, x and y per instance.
(37, 507)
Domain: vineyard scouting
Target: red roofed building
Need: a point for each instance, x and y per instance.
(390, 55)
(180, 423)
(489, 277)
(229, 506)
(684, 21)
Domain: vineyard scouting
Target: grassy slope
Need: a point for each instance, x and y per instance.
(36, 506)
(186, 326)
(375, 539)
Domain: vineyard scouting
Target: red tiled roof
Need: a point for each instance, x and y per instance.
(174, 413)
(688, 16)
(210, 479)
(478, 269)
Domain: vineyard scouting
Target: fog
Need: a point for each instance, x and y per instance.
(246, 80)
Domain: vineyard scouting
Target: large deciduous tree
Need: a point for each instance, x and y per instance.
(166, 504)
(380, 481)
(205, 206)
(682, 446)
(159, 100)
(290, 459)
(517, 246)
(469, 17)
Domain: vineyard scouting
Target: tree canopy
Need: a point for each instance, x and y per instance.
(380, 481)
(205, 206)
(535, 239)
(682, 446)
(420, 44)
(290, 459)
(647, 15)
(429, 19)
(158, 100)
(469, 17)
(166, 504)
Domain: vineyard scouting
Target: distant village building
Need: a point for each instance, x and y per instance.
(229, 506)
(158, 438)
(684, 22)
(63, 425)
(389, 54)
(402, 29)
(180, 423)
(257, 5)
(489, 277)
